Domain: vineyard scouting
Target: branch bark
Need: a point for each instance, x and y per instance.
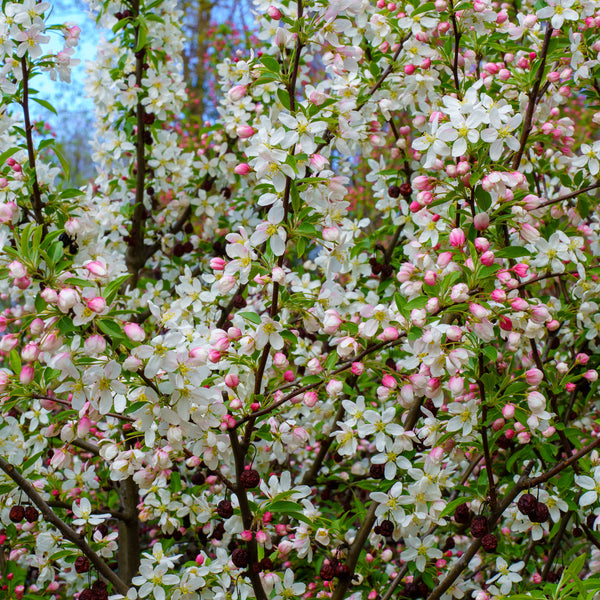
(70, 534)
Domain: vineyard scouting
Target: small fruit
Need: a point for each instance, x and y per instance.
(82, 564)
(266, 564)
(541, 513)
(386, 528)
(479, 526)
(31, 514)
(16, 513)
(406, 189)
(527, 504)
(327, 572)
(462, 514)
(239, 557)
(225, 509)
(376, 471)
(249, 479)
(342, 571)
(87, 594)
(489, 542)
(394, 191)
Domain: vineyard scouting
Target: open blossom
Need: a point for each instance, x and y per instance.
(420, 550)
(84, 516)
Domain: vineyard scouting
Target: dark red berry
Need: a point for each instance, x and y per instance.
(462, 514)
(178, 250)
(239, 301)
(376, 471)
(503, 442)
(577, 532)
(406, 189)
(31, 514)
(266, 564)
(102, 529)
(489, 542)
(82, 564)
(198, 478)
(394, 191)
(479, 526)
(376, 268)
(342, 571)
(226, 193)
(527, 504)
(541, 513)
(16, 513)
(100, 590)
(87, 594)
(249, 479)
(386, 527)
(377, 530)
(239, 557)
(118, 15)
(206, 184)
(225, 509)
(386, 271)
(188, 247)
(450, 543)
(327, 572)
(590, 520)
(189, 228)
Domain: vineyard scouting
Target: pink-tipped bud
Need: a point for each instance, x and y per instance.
(358, 368)
(27, 374)
(534, 376)
(457, 238)
(232, 380)
(237, 92)
(289, 376)
(96, 268)
(274, 13)
(481, 221)
(310, 399)
(245, 131)
(134, 332)
(242, 169)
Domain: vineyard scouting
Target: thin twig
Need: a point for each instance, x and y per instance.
(69, 533)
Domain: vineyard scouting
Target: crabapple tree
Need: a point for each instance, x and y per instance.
(339, 341)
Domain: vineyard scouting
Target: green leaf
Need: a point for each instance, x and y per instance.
(289, 337)
(110, 328)
(270, 63)
(284, 98)
(513, 252)
(15, 362)
(451, 506)
(490, 352)
(45, 104)
(71, 193)
(7, 154)
(142, 33)
(175, 483)
(422, 9)
(31, 461)
(419, 302)
(252, 317)
(331, 360)
(483, 198)
(63, 162)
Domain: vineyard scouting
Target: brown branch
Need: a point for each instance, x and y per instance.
(533, 98)
(247, 517)
(69, 533)
(571, 195)
(36, 197)
(556, 545)
(484, 438)
(355, 550)
(457, 36)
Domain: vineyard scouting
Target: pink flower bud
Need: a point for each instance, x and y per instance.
(280, 361)
(237, 92)
(310, 399)
(582, 358)
(591, 375)
(457, 238)
(232, 380)
(358, 368)
(334, 388)
(214, 356)
(49, 295)
(505, 323)
(94, 345)
(234, 333)
(487, 258)
(498, 296)
(134, 332)
(242, 169)
(217, 263)
(97, 304)
(444, 259)
(454, 333)
(67, 299)
(498, 424)
(16, 269)
(389, 334)
(274, 13)
(481, 221)
(245, 131)
(27, 374)
(430, 277)
(246, 535)
(8, 342)
(519, 304)
(30, 352)
(540, 314)
(97, 268)
(534, 376)
(478, 311)
(318, 162)
(317, 98)
(289, 376)
(389, 381)
(456, 385)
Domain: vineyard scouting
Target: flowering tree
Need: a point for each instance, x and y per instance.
(340, 346)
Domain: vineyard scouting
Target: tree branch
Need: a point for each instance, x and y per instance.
(69, 533)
